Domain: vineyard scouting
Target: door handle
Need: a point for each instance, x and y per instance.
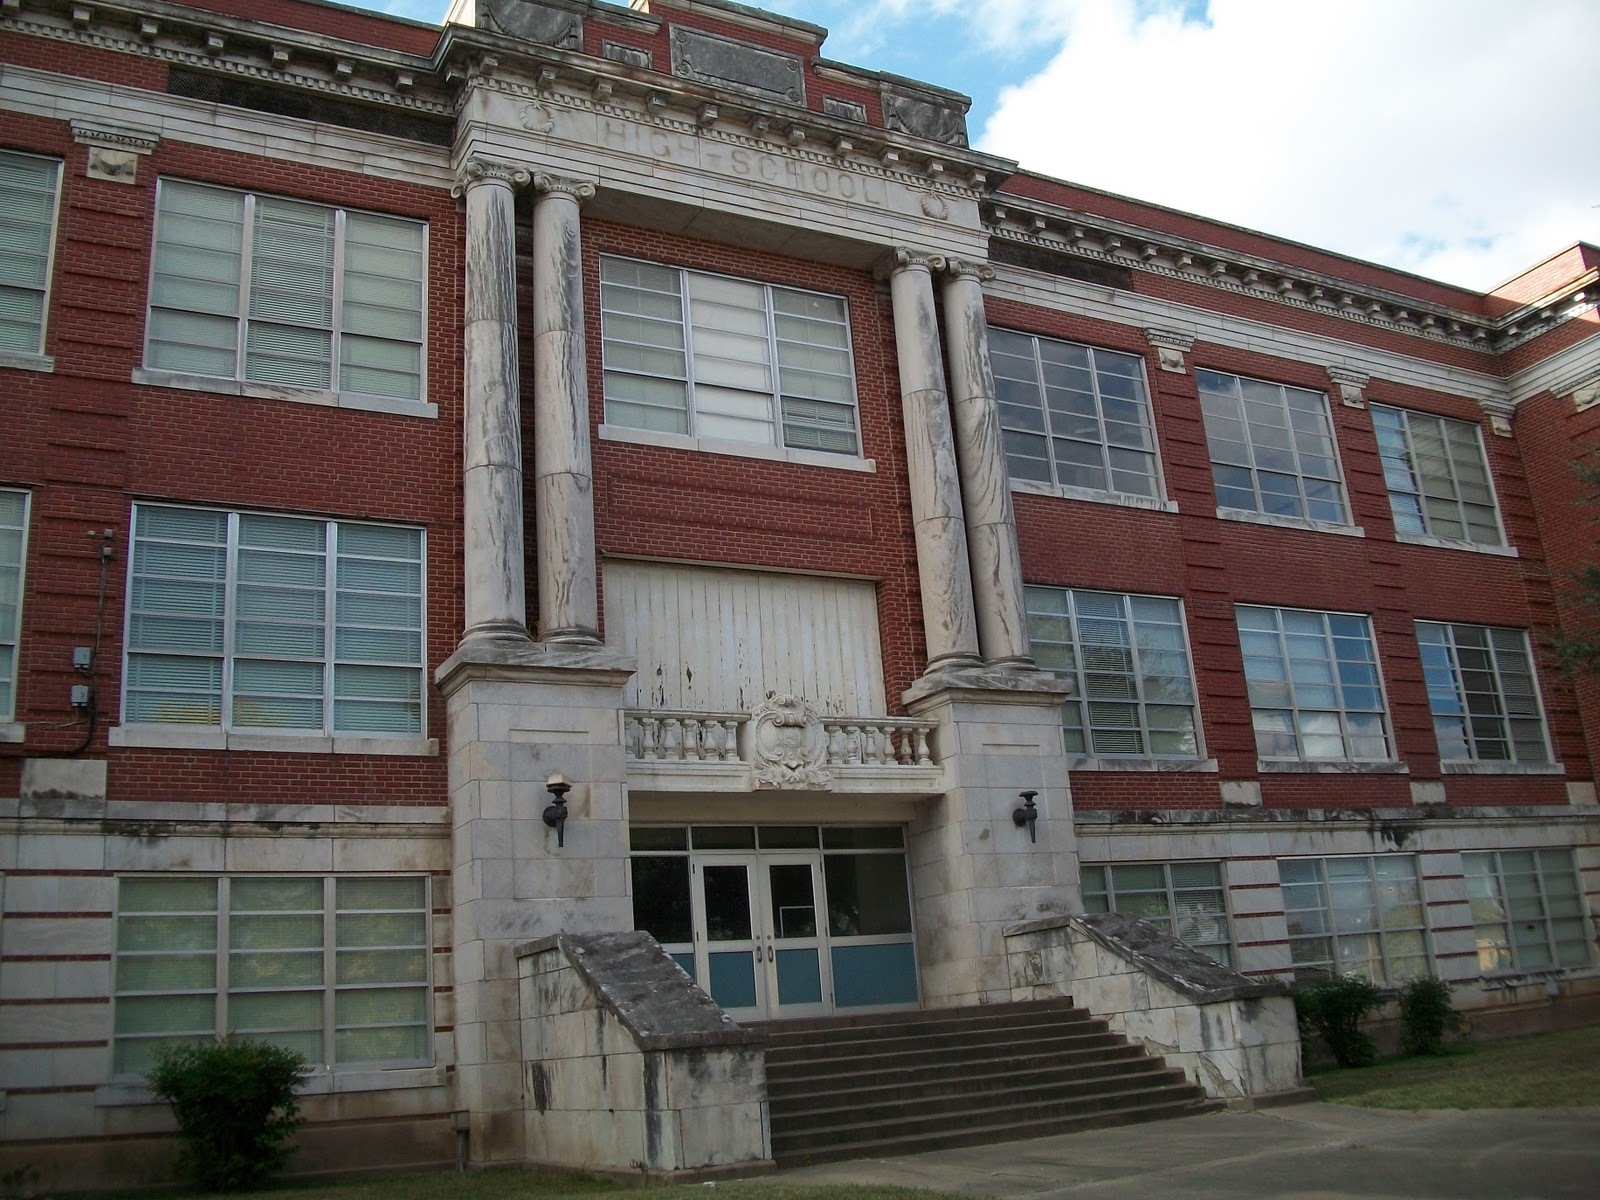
(769, 953)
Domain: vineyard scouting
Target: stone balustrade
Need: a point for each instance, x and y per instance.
(678, 736)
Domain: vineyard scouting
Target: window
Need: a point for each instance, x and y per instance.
(1272, 448)
(1354, 916)
(13, 558)
(1527, 909)
(258, 621)
(335, 968)
(1185, 898)
(1073, 415)
(1481, 689)
(725, 359)
(274, 291)
(1129, 661)
(1437, 476)
(1314, 686)
(28, 188)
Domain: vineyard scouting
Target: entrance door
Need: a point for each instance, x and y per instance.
(759, 935)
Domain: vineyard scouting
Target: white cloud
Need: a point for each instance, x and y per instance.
(1453, 138)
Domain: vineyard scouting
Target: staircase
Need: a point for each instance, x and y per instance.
(908, 1082)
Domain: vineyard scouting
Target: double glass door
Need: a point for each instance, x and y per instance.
(759, 934)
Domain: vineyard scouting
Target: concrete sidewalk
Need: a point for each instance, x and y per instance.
(1304, 1152)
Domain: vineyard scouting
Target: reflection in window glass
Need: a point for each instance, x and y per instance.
(866, 894)
(1184, 898)
(661, 897)
(1527, 909)
(1355, 916)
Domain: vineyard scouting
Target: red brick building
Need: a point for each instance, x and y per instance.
(399, 418)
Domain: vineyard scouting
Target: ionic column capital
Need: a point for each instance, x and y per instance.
(487, 170)
(560, 185)
(962, 268)
(908, 258)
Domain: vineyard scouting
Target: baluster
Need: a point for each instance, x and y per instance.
(852, 745)
(906, 756)
(630, 735)
(649, 727)
(730, 740)
(672, 739)
(692, 748)
(922, 748)
(869, 745)
(834, 732)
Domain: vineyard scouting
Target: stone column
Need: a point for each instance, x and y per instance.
(985, 482)
(563, 475)
(942, 563)
(496, 593)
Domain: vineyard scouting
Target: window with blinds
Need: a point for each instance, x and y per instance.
(1128, 659)
(273, 291)
(254, 621)
(1186, 899)
(1482, 692)
(28, 194)
(336, 968)
(13, 560)
(1437, 476)
(727, 360)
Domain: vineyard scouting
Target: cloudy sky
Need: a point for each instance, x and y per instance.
(1459, 139)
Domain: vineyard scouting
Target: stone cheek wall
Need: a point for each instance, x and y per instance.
(631, 1068)
(1235, 1037)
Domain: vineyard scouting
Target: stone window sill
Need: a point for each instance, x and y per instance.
(1196, 766)
(1032, 487)
(27, 362)
(1255, 518)
(1499, 768)
(191, 737)
(132, 1093)
(1277, 766)
(12, 732)
(1423, 539)
(680, 441)
(293, 395)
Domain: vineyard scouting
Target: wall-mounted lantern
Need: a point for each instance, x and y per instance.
(1026, 813)
(555, 813)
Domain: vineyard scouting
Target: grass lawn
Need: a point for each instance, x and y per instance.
(514, 1184)
(1551, 1070)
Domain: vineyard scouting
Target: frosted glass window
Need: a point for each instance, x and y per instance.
(13, 562)
(1186, 899)
(1483, 694)
(336, 968)
(726, 359)
(1355, 916)
(1314, 687)
(28, 200)
(265, 622)
(1128, 660)
(1437, 476)
(281, 292)
(1272, 448)
(1074, 415)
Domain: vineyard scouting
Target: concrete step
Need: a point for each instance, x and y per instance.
(863, 1079)
(909, 1020)
(941, 1048)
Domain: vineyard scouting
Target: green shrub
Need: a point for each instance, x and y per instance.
(1335, 1008)
(235, 1106)
(1426, 1015)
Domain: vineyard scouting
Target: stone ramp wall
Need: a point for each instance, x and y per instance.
(1235, 1037)
(629, 1067)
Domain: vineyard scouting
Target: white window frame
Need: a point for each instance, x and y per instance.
(221, 989)
(10, 732)
(1451, 631)
(1334, 929)
(1297, 710)
(1254, 450)
(239, 383)
(1156, 496)
(1173, 918)
(1495, 911)
(227, 733)
(1405, 465)
(35, 359)
(773, 448)
(1142, 703)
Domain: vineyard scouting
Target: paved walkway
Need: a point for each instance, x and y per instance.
(1303, 1152)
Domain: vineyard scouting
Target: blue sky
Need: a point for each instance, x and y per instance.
(1459, 139)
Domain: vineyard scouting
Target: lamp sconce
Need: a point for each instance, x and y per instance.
(1026, 813)
(555, 813)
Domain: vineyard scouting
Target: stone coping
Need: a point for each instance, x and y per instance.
(1197, 976)
(649, 993)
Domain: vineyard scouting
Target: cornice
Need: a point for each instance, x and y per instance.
(217, 43)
